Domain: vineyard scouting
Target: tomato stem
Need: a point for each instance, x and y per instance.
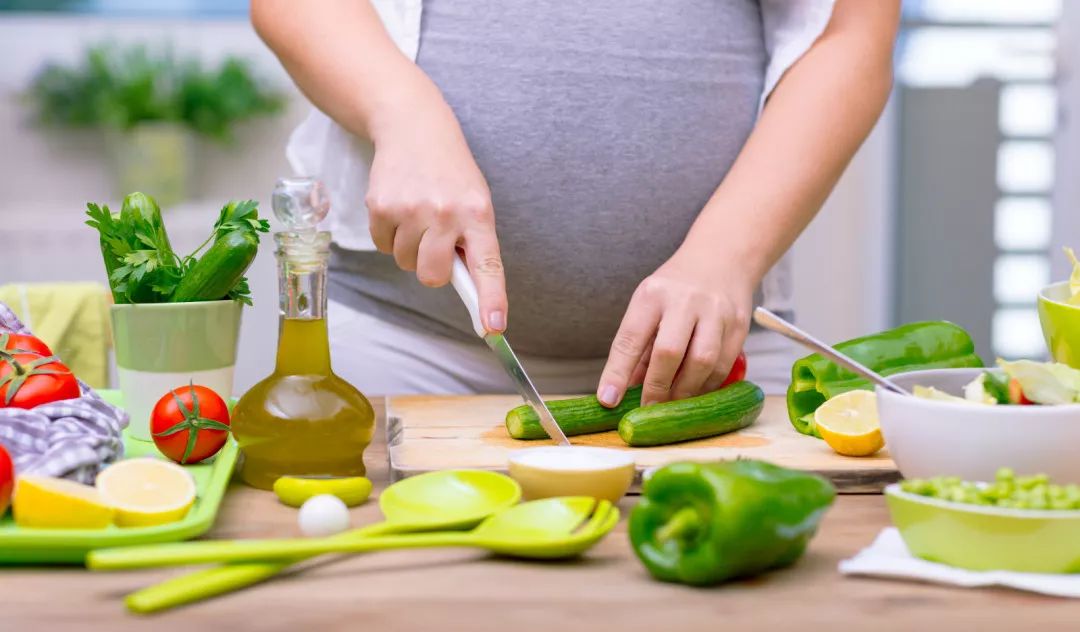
(20, 372)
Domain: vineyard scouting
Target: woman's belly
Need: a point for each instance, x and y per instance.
(602, 127)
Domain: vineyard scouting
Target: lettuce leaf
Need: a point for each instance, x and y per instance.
(976, 391)
(1045, 382)
(929, 392)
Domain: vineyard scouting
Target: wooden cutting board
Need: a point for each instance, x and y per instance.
(428, 433)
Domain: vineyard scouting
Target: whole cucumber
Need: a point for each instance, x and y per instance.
(143, 206)
(217, 272)
(577, 416)
(731, 408)
(142, 211)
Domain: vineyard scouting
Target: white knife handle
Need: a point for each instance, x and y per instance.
(466, 289)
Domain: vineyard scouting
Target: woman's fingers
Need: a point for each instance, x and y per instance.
(638, 374)
(485, 266)
(407, 244)
(435, 257)
(637, 329)
(731, 345)
(381, 224)
(700, 361)
(672, 339)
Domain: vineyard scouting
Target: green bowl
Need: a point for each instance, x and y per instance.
(984, 538)
(1060, 324)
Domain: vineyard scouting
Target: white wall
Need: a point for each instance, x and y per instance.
(841, 262)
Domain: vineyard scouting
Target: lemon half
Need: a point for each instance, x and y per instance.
(146, 491)
(849, 423)
(56, 503)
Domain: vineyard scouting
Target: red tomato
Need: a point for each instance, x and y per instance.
(23, 343)
(190, 424)
(737, 372)
(1016, 393)
(28, 380)
(7, 479)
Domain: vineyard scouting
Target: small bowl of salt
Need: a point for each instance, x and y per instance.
(552, 471)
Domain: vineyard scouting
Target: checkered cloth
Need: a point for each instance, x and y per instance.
(73, 438)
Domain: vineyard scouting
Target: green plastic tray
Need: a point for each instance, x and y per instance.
(69, 546)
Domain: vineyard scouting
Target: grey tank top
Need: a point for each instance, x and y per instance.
(602, 127)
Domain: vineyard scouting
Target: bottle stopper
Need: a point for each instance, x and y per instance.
(300, 203)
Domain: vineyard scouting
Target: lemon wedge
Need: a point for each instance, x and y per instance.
(56, 503)
(147, 492)
(849, 423)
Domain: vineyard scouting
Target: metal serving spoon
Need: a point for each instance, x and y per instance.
(771, 321)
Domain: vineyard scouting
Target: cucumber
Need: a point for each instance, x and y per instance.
(581, 415)
(219, 269)
(731, 408)
(141, 212)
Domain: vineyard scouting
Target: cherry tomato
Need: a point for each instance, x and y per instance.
(737, 372)
(190, 424)
(7, 479)
(24, 343)
(28, 380)
(1016, 394)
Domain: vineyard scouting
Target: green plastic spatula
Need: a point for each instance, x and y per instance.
(446, 500)
(542, 529)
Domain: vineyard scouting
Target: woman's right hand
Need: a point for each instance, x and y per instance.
(427, 198)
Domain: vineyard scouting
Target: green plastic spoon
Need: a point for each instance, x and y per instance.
(542, 529)
(446, 500)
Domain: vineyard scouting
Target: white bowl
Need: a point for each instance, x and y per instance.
(930, 438)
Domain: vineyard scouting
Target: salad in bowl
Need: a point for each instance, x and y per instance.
(1019, 383)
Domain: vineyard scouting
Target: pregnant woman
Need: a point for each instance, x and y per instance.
(624, 178)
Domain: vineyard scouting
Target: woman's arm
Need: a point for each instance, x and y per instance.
(688, 320)
(426, 195)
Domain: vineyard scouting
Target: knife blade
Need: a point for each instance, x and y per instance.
(510, 363)
(466, 289)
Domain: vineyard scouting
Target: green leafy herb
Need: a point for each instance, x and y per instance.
(240, 216)
(139, 260)
(996, 387)
(240, 292)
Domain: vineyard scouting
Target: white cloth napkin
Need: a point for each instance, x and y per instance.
(888, 556)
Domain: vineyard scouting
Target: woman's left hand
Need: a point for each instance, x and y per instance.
(684, 327)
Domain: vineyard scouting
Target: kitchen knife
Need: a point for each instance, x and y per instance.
(466, 289)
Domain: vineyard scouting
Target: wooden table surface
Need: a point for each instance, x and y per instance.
(466, 590)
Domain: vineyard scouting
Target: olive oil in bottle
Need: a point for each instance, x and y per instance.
(302, 419)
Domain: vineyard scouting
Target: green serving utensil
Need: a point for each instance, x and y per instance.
(436, 501)
(541, 529)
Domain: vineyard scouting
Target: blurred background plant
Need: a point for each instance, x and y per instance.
(148, 104)
(121, 88)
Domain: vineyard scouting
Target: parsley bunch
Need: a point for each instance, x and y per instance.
(139, 259)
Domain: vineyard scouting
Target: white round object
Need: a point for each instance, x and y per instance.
(323, 515)
(928, 438)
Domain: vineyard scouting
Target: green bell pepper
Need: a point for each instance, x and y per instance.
(925, 345)
(705, 523)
